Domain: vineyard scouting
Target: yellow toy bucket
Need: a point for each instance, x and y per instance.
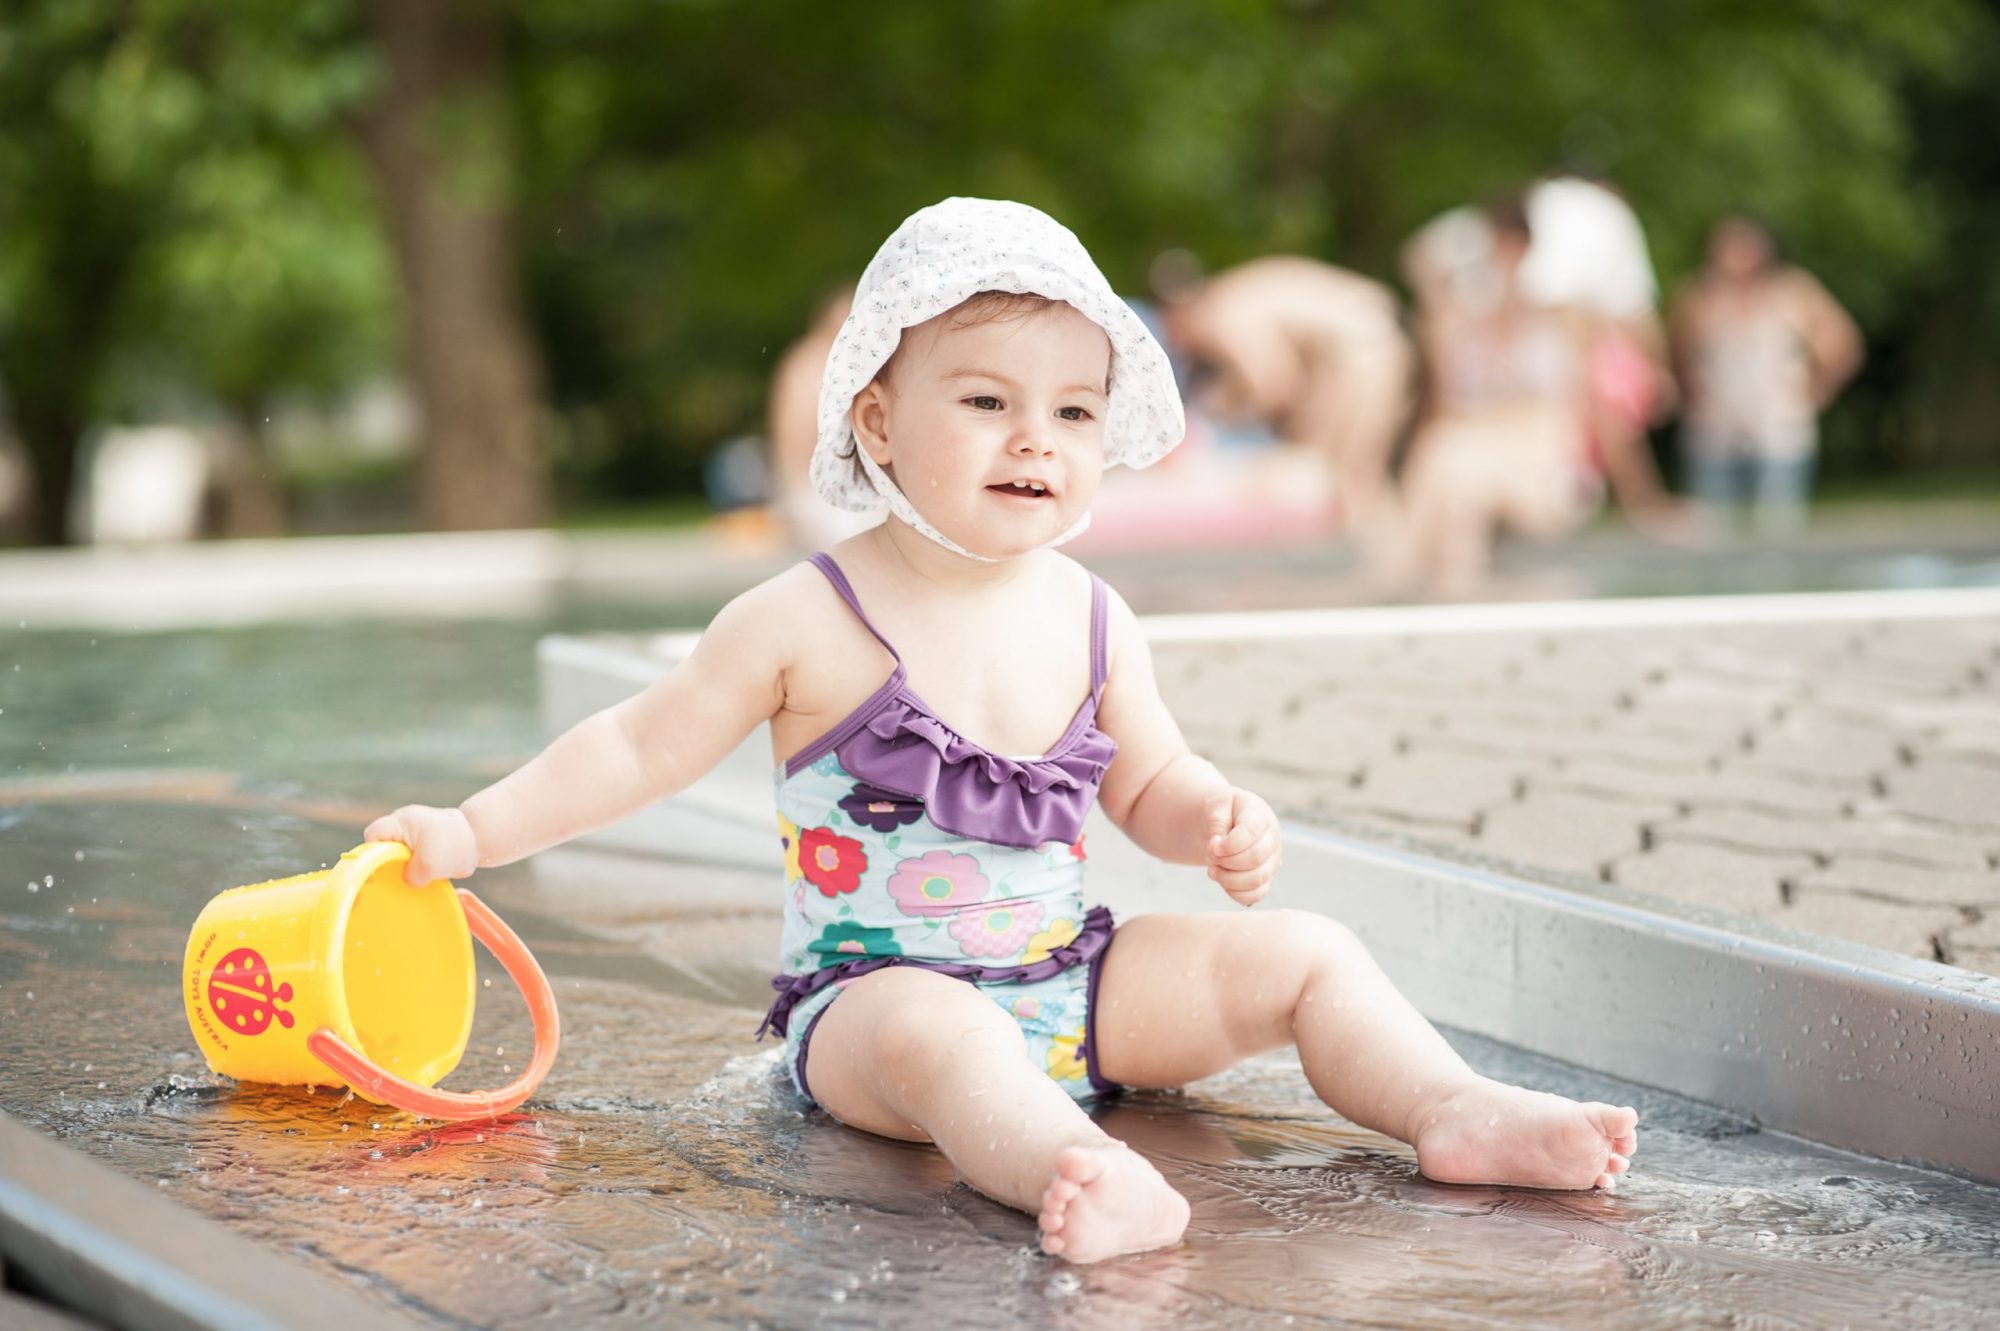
(351, 975)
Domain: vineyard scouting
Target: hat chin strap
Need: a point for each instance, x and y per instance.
(900, 505)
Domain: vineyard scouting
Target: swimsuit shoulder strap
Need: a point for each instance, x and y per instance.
(1099, 627)
(824, 563)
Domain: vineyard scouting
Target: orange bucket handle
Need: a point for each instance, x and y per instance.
(357, 1071)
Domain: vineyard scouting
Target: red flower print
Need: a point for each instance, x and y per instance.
(832, 863)
(1077, 849)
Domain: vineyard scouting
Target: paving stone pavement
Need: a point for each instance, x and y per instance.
(1841, 778)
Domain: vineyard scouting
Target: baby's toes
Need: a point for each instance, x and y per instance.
(1618, 1164)
(1055, 1210)
(1615, 1120)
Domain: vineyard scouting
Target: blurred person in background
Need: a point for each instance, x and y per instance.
(1315, 352)
(809, 522)
(1762, 348)
(1589, 255)
(1504, 440)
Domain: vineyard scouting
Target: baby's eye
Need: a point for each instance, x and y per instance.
(984, 402)
(1073, 413)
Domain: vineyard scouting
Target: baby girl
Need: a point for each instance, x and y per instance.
(948, 697)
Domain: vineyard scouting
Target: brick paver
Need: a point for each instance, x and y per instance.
(1719, 877)
(1947, 790)
(1903, 882)
(1841, 778)
(1571, 832)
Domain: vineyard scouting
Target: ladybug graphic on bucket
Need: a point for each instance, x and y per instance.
(240, 990)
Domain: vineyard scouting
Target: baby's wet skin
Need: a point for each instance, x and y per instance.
(1108, 1201)
(1492, 1133)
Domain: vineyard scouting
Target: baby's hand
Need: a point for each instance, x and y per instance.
(441, 841)
(1243, 845)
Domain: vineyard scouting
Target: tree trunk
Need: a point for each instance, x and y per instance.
(439, 141)
(49, 438)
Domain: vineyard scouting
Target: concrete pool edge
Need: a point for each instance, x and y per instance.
(104, 1246)
(1838, 1042)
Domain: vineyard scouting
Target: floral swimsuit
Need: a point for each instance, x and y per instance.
(906, 844)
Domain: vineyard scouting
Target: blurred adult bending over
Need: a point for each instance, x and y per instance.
(1762, 349)
(1314, 351)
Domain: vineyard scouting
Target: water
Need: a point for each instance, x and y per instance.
(667, 1174)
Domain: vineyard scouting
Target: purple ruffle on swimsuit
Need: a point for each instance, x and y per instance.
(909, 845)
(895, 742)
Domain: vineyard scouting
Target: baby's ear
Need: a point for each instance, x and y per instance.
(870, 417)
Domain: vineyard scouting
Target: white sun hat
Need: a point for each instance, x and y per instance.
(937, 259)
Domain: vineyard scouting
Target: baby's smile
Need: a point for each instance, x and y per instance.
(1023, 491)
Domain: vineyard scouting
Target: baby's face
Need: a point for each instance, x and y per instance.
(969, 410)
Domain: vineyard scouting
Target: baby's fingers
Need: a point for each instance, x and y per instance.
(1263, 848)
(1246, 885)
(389, 827)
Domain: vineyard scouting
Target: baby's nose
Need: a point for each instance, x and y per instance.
(1034, 440)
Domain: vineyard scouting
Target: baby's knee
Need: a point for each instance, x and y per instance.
(1311, 939)
(916, 1038)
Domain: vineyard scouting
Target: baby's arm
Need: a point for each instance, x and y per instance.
(1170, 801)
(620, 759)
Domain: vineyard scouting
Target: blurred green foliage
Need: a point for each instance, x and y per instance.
(183, 211)
(698, 173)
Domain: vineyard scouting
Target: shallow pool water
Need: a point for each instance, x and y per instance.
(666, 1173)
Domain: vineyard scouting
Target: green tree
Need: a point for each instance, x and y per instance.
(179, 218)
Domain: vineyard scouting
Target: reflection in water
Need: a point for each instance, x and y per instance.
(666, 1174)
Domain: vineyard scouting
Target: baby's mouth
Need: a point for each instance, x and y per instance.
(1021, 490)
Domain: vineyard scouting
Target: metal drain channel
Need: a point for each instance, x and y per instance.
(1831, 1040)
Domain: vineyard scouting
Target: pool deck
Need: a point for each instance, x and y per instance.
(1837, 775)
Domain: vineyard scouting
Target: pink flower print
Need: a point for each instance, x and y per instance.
(1027, 1009)
(1001, 931)
(936, 883)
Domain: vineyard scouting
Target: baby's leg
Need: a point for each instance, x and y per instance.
(1184, 996)
(911, 1054)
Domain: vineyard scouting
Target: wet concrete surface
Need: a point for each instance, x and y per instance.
(666, 1173)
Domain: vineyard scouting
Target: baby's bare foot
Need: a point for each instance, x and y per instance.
(1106, 1201)
(1493, 1133)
